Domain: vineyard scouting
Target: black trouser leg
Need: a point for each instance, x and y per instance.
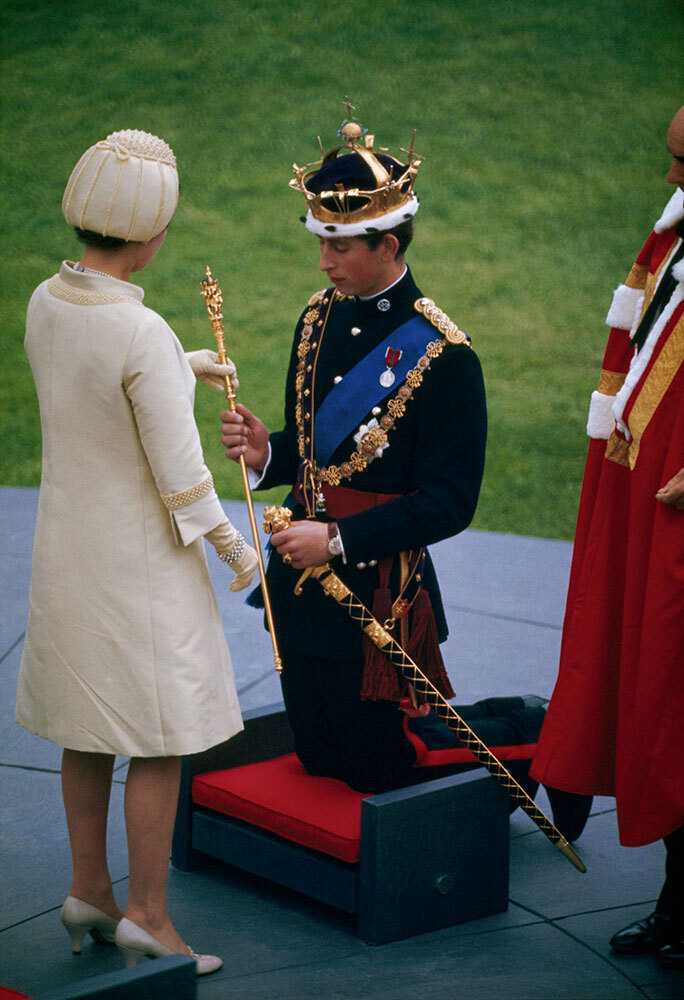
(364, 743)
(671, 899)
(337, 734)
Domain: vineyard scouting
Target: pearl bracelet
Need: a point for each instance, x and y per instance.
(235, 551)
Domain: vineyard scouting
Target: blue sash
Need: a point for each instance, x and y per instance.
(350, 400)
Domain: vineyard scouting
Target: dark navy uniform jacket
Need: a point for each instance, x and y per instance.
(435, 460)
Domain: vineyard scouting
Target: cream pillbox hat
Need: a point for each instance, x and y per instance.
(125, 186)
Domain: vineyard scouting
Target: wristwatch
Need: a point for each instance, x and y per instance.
(334, 540)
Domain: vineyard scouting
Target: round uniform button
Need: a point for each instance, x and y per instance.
(338, 378)
(355, 331)
(361, 565)
(383, 305)
(372, 562)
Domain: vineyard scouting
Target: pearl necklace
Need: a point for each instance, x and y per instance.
(91, 270)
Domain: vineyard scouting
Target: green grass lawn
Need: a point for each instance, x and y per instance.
(543, 130)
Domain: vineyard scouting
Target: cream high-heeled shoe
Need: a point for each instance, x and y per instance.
(133, 942)
(80, 917)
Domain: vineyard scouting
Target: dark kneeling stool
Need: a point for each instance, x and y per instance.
(408, 861)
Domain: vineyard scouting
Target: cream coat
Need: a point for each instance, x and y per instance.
(124, 651)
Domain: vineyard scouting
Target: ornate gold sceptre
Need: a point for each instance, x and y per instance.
(213, 298)
(278, 519)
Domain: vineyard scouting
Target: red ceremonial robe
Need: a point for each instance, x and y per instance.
(615, 724)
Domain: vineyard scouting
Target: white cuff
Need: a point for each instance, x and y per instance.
(601, 420)
(256, 477)
(625, 307)
(196, 519)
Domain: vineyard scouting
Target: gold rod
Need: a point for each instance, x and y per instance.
(213, 298)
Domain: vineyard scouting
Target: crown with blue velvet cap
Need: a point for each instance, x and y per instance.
(354, 190)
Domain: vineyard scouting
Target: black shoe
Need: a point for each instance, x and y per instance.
(672, 955)
(570, 811)
(645, 937)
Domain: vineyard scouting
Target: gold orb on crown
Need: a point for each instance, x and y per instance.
(351, 131)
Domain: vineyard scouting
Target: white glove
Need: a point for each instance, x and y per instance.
(232, 549)
(206, 368)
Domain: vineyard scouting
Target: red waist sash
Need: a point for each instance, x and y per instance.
(341, 501)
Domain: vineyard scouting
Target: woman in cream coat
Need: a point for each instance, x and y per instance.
(125, 652)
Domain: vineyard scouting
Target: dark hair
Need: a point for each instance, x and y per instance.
(92, 239)
(403, 232)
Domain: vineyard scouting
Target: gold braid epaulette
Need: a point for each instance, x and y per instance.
(439, 319)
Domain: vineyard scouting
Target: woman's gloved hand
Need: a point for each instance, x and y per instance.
(232, 549)
(206, 368)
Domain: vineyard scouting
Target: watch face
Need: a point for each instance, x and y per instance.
(335, 546)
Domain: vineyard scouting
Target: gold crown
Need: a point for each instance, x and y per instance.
(352, 211)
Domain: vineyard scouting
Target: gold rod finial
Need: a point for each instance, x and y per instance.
(213, 299)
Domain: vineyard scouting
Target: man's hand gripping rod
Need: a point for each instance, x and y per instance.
(213, 298)
(277, 519)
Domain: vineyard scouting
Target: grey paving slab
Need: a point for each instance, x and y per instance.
(18, 508)
(488, 656)
(17, 520)
(529, 963)
(298, 926)
(36, 956)
(506, 575)
(255, 927)
(258, 925)
(17, 746)
(522, 825)
(596, 929)
(665, 991)
(35, 872)
(14, 604)
(543, 881)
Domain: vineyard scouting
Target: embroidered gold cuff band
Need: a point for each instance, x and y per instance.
(174, 501)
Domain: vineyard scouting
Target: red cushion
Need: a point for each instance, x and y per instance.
(280, 796)
(7, 994)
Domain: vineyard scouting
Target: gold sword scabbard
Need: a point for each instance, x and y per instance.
(277, 519)
(213, 297)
